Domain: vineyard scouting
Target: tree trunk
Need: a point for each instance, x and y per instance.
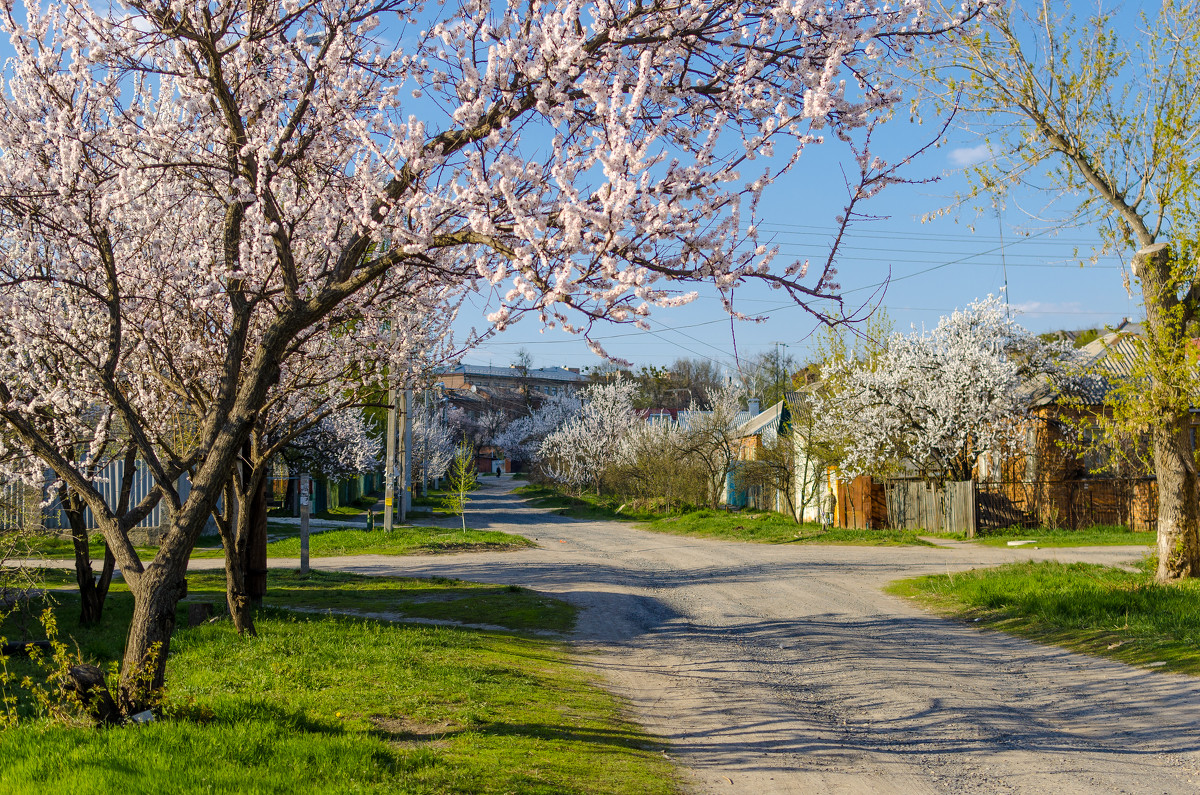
(241, 607)
(1178, 522)
(92, 592)
(1169, 414)
(156, 592)
(256, 544)
(289, 499)
(233, 538)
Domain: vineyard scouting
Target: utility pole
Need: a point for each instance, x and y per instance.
(780, 372)
(425, 445)
(389, 464)
(406, 456)
(303, 500)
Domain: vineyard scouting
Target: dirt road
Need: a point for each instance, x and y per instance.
(777, 669)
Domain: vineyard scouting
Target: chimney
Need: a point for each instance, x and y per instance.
(753, 405)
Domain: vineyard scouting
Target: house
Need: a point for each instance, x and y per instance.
(1058, 478)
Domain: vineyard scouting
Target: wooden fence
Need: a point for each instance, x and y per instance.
(861, 504)
(936, 508)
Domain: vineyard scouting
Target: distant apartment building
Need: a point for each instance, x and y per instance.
(541, 380)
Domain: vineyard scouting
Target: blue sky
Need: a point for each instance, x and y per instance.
(929, 268)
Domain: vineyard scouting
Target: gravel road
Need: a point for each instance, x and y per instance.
(785, 669)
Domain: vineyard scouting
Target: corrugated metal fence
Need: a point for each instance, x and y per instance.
(22, 505)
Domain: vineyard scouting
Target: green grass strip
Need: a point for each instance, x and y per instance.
(1098, 536)
(326, 703)
(1094, 609)
(765, 527)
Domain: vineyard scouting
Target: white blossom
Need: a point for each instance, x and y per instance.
(935, 401)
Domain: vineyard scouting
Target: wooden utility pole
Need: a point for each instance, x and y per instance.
(389, 464)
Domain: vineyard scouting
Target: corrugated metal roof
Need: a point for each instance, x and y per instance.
(544, 373)
(771, 420)
(1113, 354)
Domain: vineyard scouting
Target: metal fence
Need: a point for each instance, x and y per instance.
(971, 506)
(1068, 504)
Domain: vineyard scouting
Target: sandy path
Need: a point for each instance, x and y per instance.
(775, 669)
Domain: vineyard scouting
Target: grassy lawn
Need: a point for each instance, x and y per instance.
(762, 527)
(400, 541)
(1093, 609)
(48, 545)
(349, 512)
(337, 543)
(1098, 536)
(326, 703)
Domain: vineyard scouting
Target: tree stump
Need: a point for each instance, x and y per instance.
(198, 613)
(87, 681)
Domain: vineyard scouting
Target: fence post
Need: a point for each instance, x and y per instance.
(972, 494)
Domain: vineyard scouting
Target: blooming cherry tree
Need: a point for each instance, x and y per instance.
(522, 438)
(938, 400)
(580, 450)
(432, 444)
(191, 190)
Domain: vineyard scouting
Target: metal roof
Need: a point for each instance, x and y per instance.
(1113, 354)
(542, 373)
(771, 419)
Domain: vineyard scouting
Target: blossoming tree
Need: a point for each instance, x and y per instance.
(189, 188)
(935, 401)
(580, 449)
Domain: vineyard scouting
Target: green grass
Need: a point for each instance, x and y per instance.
(756, 526)
(1093, 609)
(402, 597)
(323, 703)
(338, 543)
(1097, 536)
(352, 510)
(400, 541)
(774, 528)
(49, 545)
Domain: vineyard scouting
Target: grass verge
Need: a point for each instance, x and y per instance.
(1097, 536)
(1094, 609)
(323, 703)
(762, 527)
(339, 543)
(400, 541)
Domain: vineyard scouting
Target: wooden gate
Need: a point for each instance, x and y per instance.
(861, 504)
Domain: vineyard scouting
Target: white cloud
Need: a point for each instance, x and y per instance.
(969, 155)
(1045, 308)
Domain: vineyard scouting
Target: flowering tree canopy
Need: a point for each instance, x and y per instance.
(937, 400)
(191, 192)
(341, 445)
(579, 451)
(522, 438)
(432, 443)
